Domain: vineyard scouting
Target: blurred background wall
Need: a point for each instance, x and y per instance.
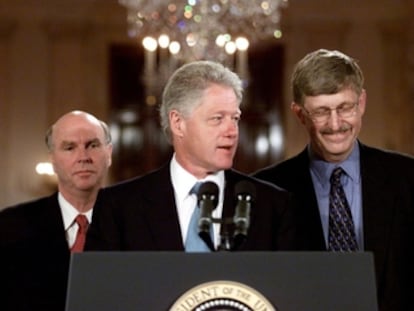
(60, 55)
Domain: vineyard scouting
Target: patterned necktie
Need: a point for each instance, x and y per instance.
(193, 242)
(83, 223)
(341, 235)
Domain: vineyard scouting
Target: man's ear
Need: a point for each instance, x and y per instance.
(176, 123)
(362, 100)
(109, 154)
(298, 111)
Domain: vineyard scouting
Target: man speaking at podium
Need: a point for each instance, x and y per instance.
(200, 112)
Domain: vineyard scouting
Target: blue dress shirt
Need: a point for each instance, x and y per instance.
(351, 181)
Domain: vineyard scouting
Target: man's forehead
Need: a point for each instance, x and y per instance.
(78, 134)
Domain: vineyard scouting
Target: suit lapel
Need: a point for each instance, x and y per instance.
(307, 210)
(50, 224)
(376, 198)
(161, 212)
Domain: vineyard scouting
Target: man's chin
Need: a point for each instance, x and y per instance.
(86, 185)
(223, 165)
(336, 154)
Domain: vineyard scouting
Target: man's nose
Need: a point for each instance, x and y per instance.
(83, 155)
(232, 127)
(334, 119)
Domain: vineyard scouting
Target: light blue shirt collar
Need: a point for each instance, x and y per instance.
(322, 170)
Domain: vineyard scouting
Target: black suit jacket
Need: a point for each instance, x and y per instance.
(387, 200)
(34, 256)
(141, 214)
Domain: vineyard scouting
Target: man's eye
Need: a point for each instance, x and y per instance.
(67, 147)
(216, 119)
(93, 144)
(236, 119)
(321, 112)
(345, 108)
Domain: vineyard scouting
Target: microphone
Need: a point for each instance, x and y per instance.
(245, 194)
(207, 201)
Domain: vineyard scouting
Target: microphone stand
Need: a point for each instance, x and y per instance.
(228, 242)
(240, 222)
(225, 239)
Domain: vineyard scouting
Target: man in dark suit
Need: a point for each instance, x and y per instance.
(36, 237)
(329, 100)
(200, 113)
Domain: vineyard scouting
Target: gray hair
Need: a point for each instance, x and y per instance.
(185, 87)
(325, 72)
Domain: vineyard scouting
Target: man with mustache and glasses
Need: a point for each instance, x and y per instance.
(367, 204)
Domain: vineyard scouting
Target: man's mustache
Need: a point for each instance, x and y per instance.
(330, 131)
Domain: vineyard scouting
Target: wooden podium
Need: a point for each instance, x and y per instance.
(178, 281)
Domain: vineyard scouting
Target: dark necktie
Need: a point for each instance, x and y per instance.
(341, 235)
(83, 223)
(193, 242)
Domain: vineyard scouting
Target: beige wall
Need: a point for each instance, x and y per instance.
(53, 58)
(377, 33)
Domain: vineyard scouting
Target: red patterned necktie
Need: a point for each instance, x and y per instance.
(341, 226)
(83, 223)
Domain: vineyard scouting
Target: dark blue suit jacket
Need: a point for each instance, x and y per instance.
(140, 214)
(34, 256)
(388, 216)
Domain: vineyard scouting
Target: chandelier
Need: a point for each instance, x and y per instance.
(174, 32)
(202, 29)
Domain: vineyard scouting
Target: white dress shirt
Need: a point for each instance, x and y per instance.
(183, 182)
(69, 214)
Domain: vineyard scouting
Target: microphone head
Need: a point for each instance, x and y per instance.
(208, 189)
(246, 189)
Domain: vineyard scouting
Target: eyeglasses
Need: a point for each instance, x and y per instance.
(323, 114)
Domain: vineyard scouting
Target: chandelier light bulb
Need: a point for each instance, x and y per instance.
(164, 41)
(174, 47)
(221, 40)
(230, 47)
(265, 5)
(277, 34)
(150, 44)
(242, 43)
(191, 39)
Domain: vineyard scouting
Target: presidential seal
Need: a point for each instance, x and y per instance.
(222, 296)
